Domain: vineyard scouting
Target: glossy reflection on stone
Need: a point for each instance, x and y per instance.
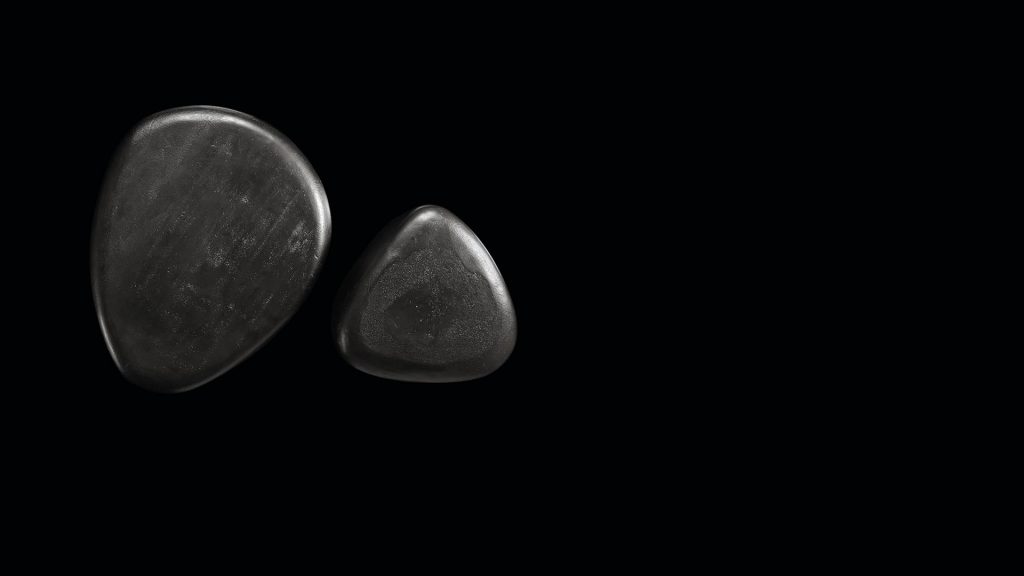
(426, 303)
(209, 232)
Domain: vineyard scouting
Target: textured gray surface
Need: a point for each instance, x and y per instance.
(209, 232)
(426, 303)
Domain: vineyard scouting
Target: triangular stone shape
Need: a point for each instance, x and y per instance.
(425, 303)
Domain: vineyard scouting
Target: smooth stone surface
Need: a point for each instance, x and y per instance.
(426, 303)
(209, 232)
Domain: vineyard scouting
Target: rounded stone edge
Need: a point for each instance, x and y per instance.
(159, 119)
(345, 298)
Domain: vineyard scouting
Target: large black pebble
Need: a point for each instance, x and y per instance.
(426, 303)
(209, 232)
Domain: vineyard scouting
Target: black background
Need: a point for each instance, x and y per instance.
(541, 132)
(631, 181)
(495, 139)
(545, 139)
